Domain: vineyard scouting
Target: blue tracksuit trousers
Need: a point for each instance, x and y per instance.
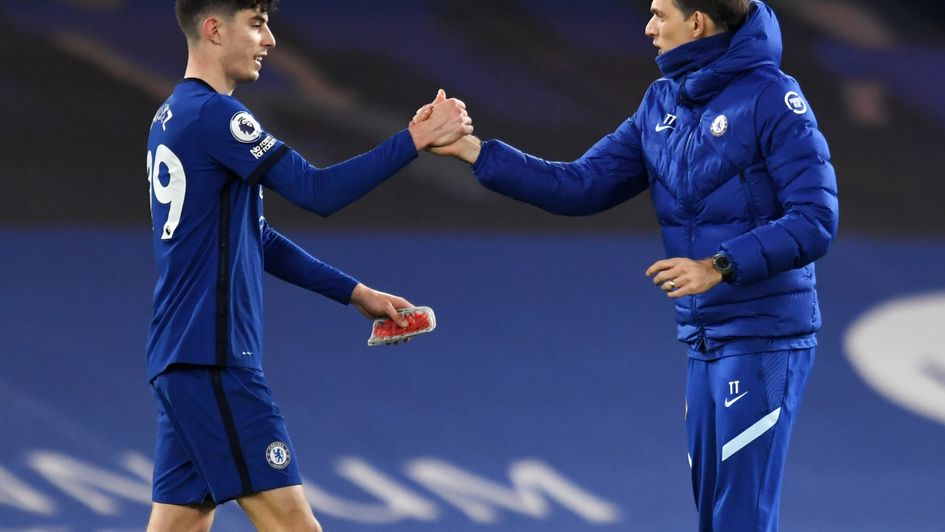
(739, 414)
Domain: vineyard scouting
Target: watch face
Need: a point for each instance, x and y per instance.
(722, 263)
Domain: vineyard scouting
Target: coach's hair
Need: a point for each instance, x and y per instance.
(189, 12)
(727, 14)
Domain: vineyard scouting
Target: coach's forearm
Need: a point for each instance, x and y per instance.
(468, 149)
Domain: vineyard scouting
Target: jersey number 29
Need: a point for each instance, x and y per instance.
(173, 193)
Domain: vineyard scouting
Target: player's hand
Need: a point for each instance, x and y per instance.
(423, 113)
(373, 304)
(466, 148)
(680, 277)
(445, 122)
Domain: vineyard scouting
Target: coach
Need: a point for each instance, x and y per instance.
(746, 198)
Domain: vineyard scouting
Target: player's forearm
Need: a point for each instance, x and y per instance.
(325, 191)
(287, 261)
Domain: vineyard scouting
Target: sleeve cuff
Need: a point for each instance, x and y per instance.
(347, 288)
(748, 261)
(485, 151)
(404, 148)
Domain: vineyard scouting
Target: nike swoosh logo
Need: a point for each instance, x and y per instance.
(664, 128)
(729, 403)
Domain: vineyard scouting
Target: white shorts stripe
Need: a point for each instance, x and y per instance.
(750, 434)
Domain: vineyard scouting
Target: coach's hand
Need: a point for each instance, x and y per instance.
(680, 277)
(373, 304)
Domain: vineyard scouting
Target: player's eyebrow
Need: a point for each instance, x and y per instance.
(262, 19)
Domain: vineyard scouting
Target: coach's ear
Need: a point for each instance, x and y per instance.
(211, 30)
(701, 25)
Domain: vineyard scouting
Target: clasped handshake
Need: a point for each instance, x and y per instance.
(444, 127)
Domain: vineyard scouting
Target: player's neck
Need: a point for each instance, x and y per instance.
(210, 72)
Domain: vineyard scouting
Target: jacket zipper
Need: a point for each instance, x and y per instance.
(689, 213)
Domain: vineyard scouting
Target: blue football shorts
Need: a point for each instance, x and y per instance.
(220, 436)
(740, 413)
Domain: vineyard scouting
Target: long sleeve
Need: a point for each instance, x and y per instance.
(611, 172)
(325, 191)
(798, 160)
(287, 261)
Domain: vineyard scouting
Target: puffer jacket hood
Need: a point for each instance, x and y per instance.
(709, 65)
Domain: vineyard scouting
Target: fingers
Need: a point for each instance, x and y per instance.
(680, 292)
(426, 111)
(422, 114)
(398, 342)
(678, 287)
(374, 304)
(670, 276)
(680, 277)
(466, 126)
(444, 121)
(448, 107)
(395, 316)
(665, 276)
(659, 266)
(391, 305)
(453, 130)
(450, 104)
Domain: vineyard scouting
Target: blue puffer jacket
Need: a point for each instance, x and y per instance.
(730, 151)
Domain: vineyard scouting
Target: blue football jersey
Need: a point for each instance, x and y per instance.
(208, 159)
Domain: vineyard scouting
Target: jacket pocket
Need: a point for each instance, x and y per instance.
(752, 207)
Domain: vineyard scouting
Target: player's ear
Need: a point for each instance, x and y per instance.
(211, 29)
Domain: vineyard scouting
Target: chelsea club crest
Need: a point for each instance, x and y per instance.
(277, 454)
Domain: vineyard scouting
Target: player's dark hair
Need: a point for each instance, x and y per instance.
(189, 12)
(728, 15)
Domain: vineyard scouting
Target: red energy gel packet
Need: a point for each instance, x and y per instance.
(419, 320)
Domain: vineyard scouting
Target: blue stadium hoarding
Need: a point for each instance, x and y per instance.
(549, 397)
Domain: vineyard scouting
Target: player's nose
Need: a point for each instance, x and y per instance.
(269, 40)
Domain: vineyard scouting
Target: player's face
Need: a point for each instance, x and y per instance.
(248, 40)
(668, 27)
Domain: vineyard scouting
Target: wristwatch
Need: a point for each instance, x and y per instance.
(723, 265)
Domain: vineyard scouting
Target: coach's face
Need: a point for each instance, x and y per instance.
(246, 41)
(669, 27)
